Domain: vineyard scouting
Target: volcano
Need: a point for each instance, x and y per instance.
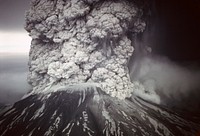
(88, 111)
(82, 71)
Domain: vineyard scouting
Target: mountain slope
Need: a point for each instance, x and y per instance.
(89, 111)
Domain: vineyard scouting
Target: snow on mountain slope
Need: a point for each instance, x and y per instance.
(91, 112)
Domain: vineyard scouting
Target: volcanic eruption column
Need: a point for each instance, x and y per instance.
(82, 41)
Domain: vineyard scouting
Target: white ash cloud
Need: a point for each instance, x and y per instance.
(82, 41)
(177, 85)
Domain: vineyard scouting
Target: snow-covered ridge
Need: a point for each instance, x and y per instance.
(81, 41)
(89, 112)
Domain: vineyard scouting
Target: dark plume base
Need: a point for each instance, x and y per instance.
(92, 112)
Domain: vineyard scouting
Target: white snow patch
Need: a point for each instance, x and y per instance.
(39, 112)
(110, 125)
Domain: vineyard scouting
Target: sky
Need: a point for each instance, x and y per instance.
(13, 37)
(13, 77)
(14, 48)
(176, 29)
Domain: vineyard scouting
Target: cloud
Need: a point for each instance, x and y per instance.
(82, 43)
(176, 85)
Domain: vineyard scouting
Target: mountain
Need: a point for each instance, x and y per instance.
(83, 69)
(2, 106)
(88, 111)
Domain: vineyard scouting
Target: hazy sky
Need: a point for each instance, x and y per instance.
(13, 37)
(14, 48)
(13, 77)
(12, 14)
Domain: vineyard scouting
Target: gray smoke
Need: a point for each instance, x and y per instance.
(82, 41)
(176, 84)
(92, 41)
(168, 76)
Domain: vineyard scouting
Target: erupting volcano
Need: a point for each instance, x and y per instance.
(84, 75)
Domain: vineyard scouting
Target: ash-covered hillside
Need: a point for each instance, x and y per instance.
(79, 69)
(88, 111)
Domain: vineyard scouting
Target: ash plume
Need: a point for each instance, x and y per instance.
(177, 85)
(82, 41)
(174, 84)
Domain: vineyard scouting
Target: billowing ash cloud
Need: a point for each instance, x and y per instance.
(82, 41)
(177, 85)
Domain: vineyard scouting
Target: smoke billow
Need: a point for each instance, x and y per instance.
(168, 79)
(174, 83)
(164, 80)
(82, 41)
